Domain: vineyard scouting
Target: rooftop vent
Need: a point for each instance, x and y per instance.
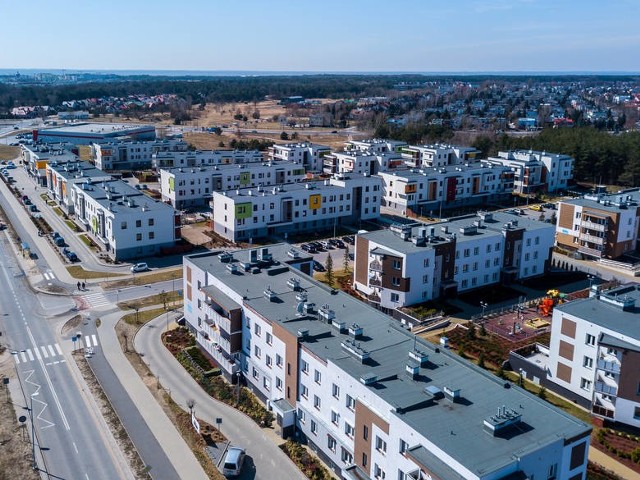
(469, 230)
(254, 256)
(308, 308)
(303, 332)
(419, 356)
(325, 313)
(339, 325)
(368, 378)
(413, 370)
(270, 294)
(434, 392)
(232, 267)
(294, 284)
(265, 256)
(419, 241)
(452, 394)
(225, 257)
(301, 296)
(293, 253)
(504, 418)
(355, 330)
(354, 349)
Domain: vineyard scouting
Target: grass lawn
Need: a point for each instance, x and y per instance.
(44, 197)
(145, 279)
(140, 318)
(9, 153)
(72, 225)
(172, 300)
(339, 277)
(58, 211)
(76, 271)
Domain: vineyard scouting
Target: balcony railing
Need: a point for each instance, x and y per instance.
(375, 282)
(223, 322)
(594, 226)
(592, 239)
(604, 388)
(590, 251)
(375, 266)
(613, 367)
(374, 297)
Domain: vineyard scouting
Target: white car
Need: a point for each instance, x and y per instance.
(139, 267)
(233, 462)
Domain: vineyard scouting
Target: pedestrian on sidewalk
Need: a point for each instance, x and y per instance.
(83, 289)
(78, 285)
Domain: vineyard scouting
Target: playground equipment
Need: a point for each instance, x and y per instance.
(545, 307)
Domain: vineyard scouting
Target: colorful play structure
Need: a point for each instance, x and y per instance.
(553, 298)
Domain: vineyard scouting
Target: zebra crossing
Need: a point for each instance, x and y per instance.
(48, 275)
(94, 300)
(50, 354)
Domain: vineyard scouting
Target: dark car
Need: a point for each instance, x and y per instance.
(70, 255)
(59, 241)
(316, 245)
(318, 267)
(308, 248)
(33, 208)
(336, 242)
(350, 239)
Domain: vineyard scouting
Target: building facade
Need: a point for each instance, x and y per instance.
(87, 133)
(36, 158)
(439, 155)
(248, 213)
(128, 155)
(187, 187)
(370, 398)
(599, 226)
(362, 162)
(172, 159)
(310, 155)
(62, 176)
(410, 264)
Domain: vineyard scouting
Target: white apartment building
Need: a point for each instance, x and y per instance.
(428, 190)
(35, 159)
(204, 158)
(410, 264)
(248, 213)
(439, 155)
(376, 145)
(193, 186)
(537, 171)
(373, 400)
(124, 222)
(362, 162)
(310, 155)
(62, 176)
(132, 155)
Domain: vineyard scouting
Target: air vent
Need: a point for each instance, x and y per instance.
(232, 267)
(355, 330)
(293, 253)
(452, 394)
(368, 379)
(504, 418)
(340, 326)
(303, 332)
(301, 296)
(225, 257)
(419, 356)
(270, 294)
(294, 284)
(354, 349)
(326, 314)
(412, 370)
(434, 392)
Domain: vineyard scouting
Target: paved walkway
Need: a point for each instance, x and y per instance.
(612, 464)
(261, 444)
(174, 447)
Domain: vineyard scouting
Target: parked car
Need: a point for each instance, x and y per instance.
(552, 206)
(59, 241)
(350, 239)
(318, 267)
(308, 248)
(139, 267)
(537, 208)
(336, 242)
(71, 256)
(325, 244)
(233, 462)
(33, 208)
(316, 245)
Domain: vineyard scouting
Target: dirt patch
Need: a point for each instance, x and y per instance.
(9, 153)
(120, 434)
(196, 233)
(72, 324)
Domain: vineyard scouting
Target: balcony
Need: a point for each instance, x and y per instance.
(613, 367)
(594, 226)
(375, 281)
(223, 322)
(592, 238)
(606, 389)
(374, 297)
(375, 266)
(590, 251)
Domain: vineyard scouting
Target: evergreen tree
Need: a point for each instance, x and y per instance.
(345, 259)
(329, 267)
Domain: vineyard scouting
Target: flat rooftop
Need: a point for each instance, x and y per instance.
(119, 197)
(379, 358)
(96, 128)
(416, 174)
(232, 167)
(78, 170)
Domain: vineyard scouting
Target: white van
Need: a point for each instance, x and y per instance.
(233, 462)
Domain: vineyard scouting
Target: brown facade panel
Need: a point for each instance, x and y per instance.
(566, 350)
(362, 260)
(291, 361)
(511, 240)
(365, 419)
(566, 240)
(568, 328)
(389, 273)
(188, 275)
(447, 252)
(563, 372)
(629, 383)
(566, 214)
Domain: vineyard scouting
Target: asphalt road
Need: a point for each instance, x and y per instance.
(71, 442)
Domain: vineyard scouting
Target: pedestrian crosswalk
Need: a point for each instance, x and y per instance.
(48, 275)
(50, 354)
(94, 300)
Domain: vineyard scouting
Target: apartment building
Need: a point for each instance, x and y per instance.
(362, 162)
(204, 158)
(62, 176)
(594, 354)
(131, 155)
(193, 186)
(599, 226)
(409, 264)
(35, 159)
(310, 155)
(373, 400)
(122, 221)
(537, 171)
(248, 213)
(439, 155)
(375, 145)
(427, 190)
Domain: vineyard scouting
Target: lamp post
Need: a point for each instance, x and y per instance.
(238, 374)
(191, 403)
(484, 306)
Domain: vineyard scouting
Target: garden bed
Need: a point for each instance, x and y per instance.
(623, 446)
(307, 463)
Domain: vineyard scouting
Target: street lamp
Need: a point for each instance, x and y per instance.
(238, 374)
(484, 305)
(191, 403)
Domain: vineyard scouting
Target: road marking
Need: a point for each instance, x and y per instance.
(37, 352)
(30, 354)
(87, 341)
(58, 349)
(95, 340)
(23, 356)
(96, 299)
(51, 350)
(74, 446)
(44, 352)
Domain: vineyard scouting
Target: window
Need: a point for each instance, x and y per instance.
(351, 403)
(636, 412)
(138, 223)
(266, 383)
(269, 338)
(304, 391)
(364, 459)
(426, 262)
(278, 383)
(138, 237)
(151, 222)
(335, 417)
(553, 471)
(466, 252)
(381, 445)
(378, 472)
(314, 427)
(257, 351)
(304, 366)
(403, 446)
(476, 250)
(397, 265)
(348, 430)
(317, 376)
(365, 432)
(345, 456)
(316, 402)
(278, 360)
(585, 384)
(152, 235)
(335, 391)
(257, 330)
(395, 281)
(587, 362)
(489, 248)
(590, 339)
(254, 372)
(331, 443)
(395, 297)
(268, 361)
(425, 279)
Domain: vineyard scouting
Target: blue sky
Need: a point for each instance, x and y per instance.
(322, 35)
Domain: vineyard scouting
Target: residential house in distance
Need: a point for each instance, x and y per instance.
(310, 155)
(409, 264)
(439, 155)
(122, 221)
(428, 190)
(174, 159)
(594, 354)
(249, 213)
(61, 176)
(599, 225)
(132, 155)
(537, 171)
(193, 186)
(372, 399)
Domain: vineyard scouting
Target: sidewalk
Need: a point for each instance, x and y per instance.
(261, 444)
(596, 456)
(174, 447)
